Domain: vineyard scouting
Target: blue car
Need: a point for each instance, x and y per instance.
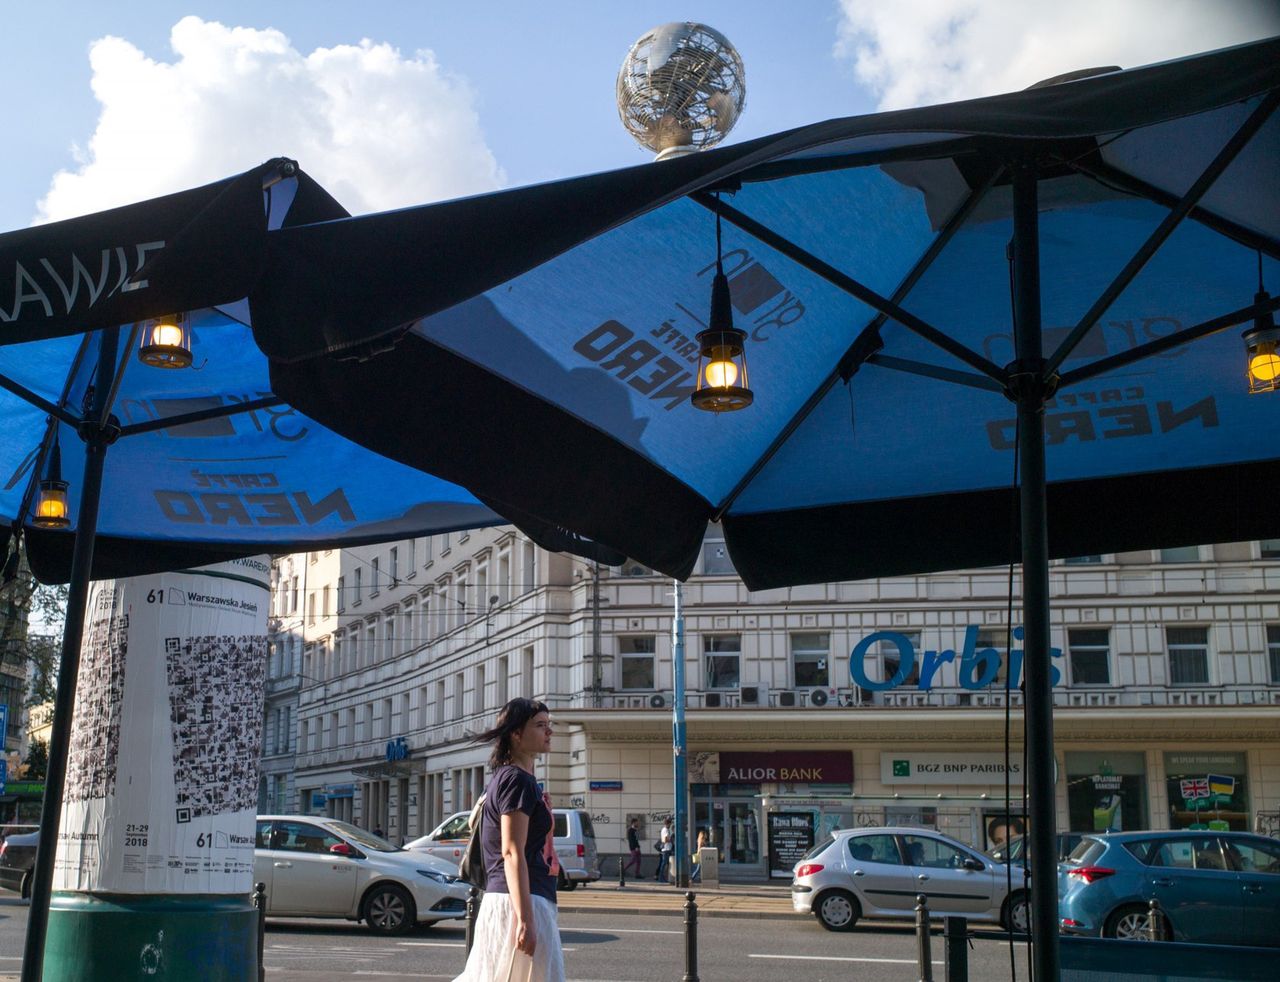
(1213, 887)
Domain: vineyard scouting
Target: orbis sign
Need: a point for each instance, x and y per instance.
(977, 668)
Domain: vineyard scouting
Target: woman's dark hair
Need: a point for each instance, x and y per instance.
(513, 717)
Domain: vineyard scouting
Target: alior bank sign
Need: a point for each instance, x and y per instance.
(976, 668)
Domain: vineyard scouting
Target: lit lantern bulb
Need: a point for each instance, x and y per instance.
(721, 373)
(1265, 365)
(166, 335)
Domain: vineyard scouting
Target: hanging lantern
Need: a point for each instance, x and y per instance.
(166, 342)
(51, 511)
(722, 384)
(1260, 343)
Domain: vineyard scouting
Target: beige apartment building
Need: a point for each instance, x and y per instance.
(873, 702)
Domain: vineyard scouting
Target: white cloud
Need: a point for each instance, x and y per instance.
(920, 52)
(377, 129)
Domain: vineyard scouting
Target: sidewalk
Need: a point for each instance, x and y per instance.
(647, 897)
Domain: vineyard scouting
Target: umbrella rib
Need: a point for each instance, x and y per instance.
(41, 403)
(1176, 340)
(867, 339)
(1107, 175)
(848, 284)
(200, 416)
(935, 371)
(1166, 228)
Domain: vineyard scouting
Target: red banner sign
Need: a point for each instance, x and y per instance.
(787, 766)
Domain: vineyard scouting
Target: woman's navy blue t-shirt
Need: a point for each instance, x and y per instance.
(511, 790)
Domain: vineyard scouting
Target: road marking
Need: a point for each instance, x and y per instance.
(835, 958)
(431, 944)
(615, 930)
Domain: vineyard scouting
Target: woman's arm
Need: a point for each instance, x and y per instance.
(515, 832)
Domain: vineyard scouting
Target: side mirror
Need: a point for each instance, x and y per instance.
(343, 849)
(974, 864)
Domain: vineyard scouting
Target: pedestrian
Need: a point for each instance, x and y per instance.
(664, 850)
(377, 830)
(695, 874)
(517, 935)
(633, 843)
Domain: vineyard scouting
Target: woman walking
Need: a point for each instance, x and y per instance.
(517, 936)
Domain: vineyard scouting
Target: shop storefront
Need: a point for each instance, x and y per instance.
(1207, 790)
(1106, 791)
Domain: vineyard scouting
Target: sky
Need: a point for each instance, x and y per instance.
(389, 104)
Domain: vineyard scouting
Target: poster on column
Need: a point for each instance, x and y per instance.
(162, 774)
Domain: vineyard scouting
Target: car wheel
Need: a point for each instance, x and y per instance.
(388, 909)
(26, 887)
(1130, 924)
(1016, 916)
(837, 910)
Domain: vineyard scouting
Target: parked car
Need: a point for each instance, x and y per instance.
(17, 857)
(320, 867)
(574, 835)
(1016, 848)
(1213, 887)
(877, 872)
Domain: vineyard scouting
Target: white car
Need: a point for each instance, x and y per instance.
(320, 867)
(574, 838)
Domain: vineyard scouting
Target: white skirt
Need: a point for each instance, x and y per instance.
(494, 956)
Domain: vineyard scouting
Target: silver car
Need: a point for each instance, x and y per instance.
(320, 867)
(877, 872)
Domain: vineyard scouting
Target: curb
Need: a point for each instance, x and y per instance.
(678, 911)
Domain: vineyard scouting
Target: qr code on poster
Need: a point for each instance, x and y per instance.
(94, 756)
(215, 711)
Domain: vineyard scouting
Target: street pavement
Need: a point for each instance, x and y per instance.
(634, 934)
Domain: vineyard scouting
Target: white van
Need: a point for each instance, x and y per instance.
(575, 840)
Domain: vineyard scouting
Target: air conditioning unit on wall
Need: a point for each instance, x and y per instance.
(753, 695)
(712, 700)
(787, 698)
(818, 698)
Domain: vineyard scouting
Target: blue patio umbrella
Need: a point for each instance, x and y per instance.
(170, 468)
(1009, 326)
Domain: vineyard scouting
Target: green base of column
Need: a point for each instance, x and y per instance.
(103, 937)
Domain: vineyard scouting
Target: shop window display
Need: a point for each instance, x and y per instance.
(1106, 792)
(1207, 790)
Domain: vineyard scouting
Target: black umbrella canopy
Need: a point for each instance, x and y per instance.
(206, 463)
(540, 343)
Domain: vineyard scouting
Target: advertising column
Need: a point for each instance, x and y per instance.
(155, 853)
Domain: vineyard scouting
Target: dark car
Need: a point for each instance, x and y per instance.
(17, 857)
(1213, 887)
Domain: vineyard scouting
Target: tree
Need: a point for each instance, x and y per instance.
(31, 617)
(36, 766)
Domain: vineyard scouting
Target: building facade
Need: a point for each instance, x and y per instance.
(809, 708)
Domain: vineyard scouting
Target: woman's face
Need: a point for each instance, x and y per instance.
(535, 736)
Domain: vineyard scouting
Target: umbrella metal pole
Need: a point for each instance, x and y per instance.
(679, 841)
(1027, 382)
(95, 454)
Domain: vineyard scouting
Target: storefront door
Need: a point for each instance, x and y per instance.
(734, 827)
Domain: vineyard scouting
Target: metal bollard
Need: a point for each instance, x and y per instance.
(1155, 921)
(957, 948)
(473, 912)
(260, 901)
(690, 939)
(622, 873)
(923, 955)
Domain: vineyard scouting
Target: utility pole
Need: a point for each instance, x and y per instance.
(597, 696)
(679, 838)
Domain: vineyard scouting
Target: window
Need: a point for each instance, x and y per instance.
(439, 702)
(503, 587)
(1273, 652)
(355, 596)
(393, 567)
(809, 658)
(636, 656)
(326, 607)
(715, 555)
(409, 625)
(301, 837)
(633, 568)
(428, 550)
(311, 607)
(722, 661)
(1270, 548)
(425, 618)
(374, 571)
(342, 596)
(1257, 856)
(480, 685)
(526, 677)
(1083, 560)
(371, 644)
(293, 596)
(386, 717)
(877, 848)
(353, 660)
(1090, 650)
(890, 657)
(989, 639)
(1182, 554)
(337, 657)
(459, 686)
(504, 670)
(351, 726)
(1188, 655)
(923, 850)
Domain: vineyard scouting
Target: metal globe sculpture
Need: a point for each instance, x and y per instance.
(681, 88)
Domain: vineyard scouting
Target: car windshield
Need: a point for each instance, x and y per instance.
(365, 840)
(1007, 850)
(818, 848)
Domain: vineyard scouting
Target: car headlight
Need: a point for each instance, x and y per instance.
(442, 878)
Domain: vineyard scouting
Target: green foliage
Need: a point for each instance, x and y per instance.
(31, 617)
(36, 766)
